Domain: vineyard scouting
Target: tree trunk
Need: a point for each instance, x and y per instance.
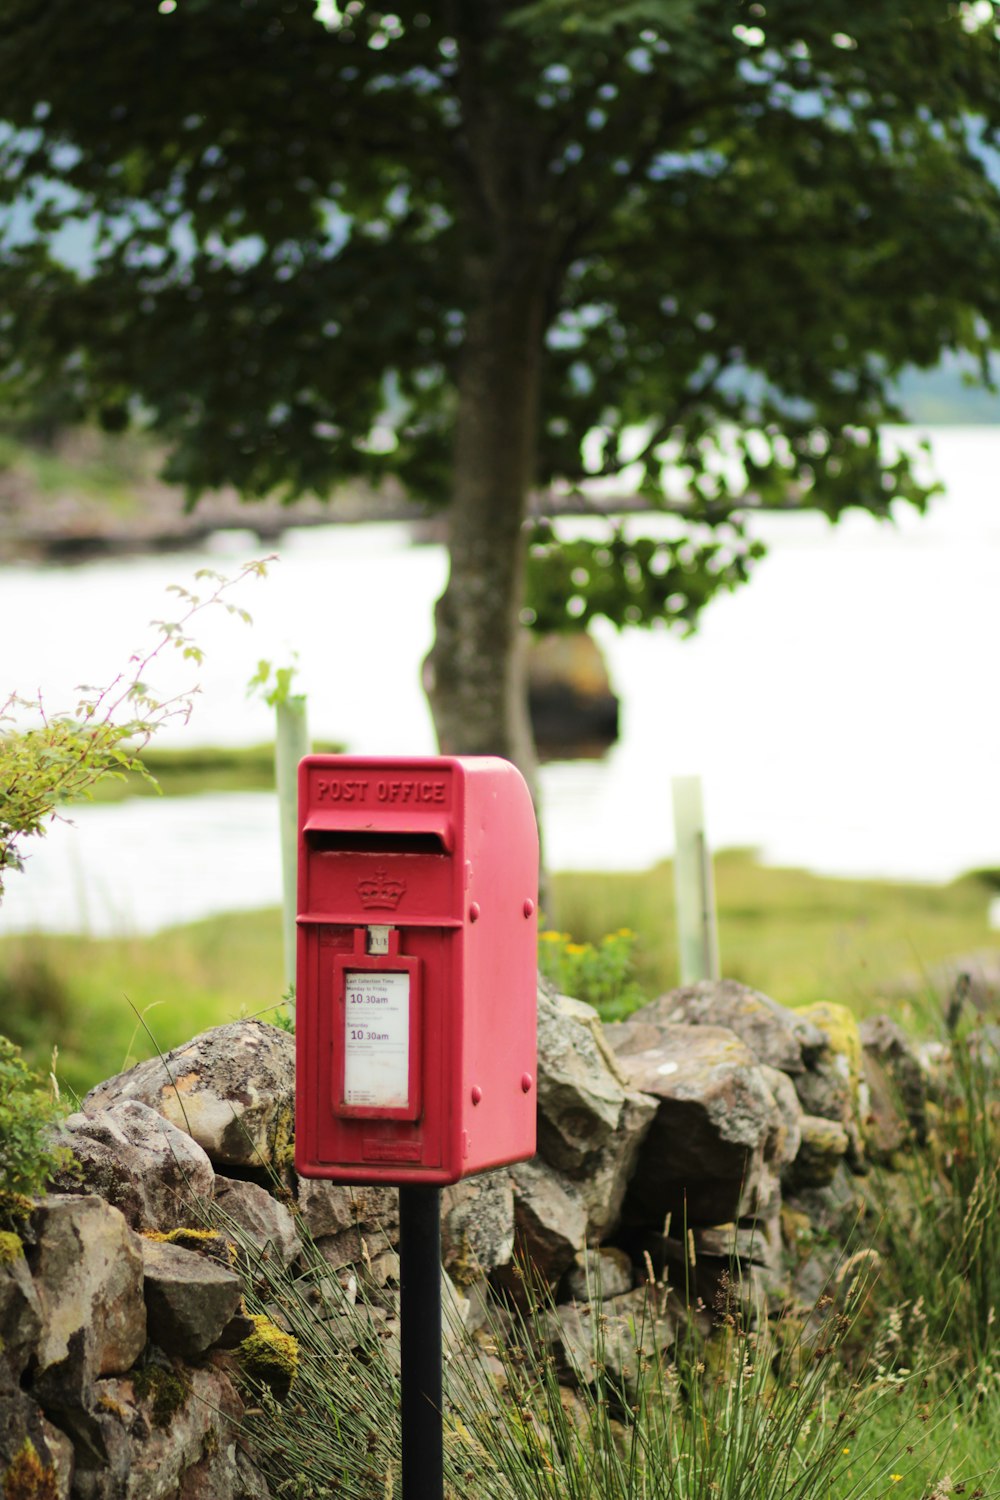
(475, 672)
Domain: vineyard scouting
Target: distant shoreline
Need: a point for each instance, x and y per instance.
(87, 495)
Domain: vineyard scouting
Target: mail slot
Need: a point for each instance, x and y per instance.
(416, 968)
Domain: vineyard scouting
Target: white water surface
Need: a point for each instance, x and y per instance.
(842, 709)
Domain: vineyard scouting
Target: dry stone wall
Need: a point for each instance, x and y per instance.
(689, 1135)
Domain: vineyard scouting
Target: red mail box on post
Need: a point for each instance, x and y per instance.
(415, 994)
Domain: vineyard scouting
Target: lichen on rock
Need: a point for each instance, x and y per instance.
(230, 1089)
(823, 1146)
(834, 1088)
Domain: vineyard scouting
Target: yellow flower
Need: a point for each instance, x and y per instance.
(575, 948)
(624, 932)
(895, 1478)
(550, 936)
(845, 1450)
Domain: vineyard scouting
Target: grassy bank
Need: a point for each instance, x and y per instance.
(206, 768)
(798, 937)
(874, 945)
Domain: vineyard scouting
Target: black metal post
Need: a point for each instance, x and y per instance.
(420, 1342)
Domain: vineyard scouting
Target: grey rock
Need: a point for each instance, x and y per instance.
(349, 1225)
(62, 1458)
(734, 1270)
(775, 1036)
(782, 1144)
(101, 1453)
(703, 1157)
(604, 1187)
(477, 1226)
(20, 1313)
(190, 1299)
(329, 1208)
(231, 1089)
(591, 1122)
(742, 1245)
(138, 1161)
(624, 1335)
(580, 1097)
(833, 1087)
(766, 1199)
(550, 1218)
(379, 1275)
(238, 1328)
(456, 1311)
(87, 1269)
(726, 1241)
(710, 1067)
(264, 1221)
(352, 1247)
(824, 1146)
(228, 1474)
(332, 1296)
(897, 1089)
(829, 1216)
(826, 1091)
(191, 1454)
(598, 1275)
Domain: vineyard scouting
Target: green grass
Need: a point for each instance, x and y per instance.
(83, 994)
(798, 937)
(937, 1445)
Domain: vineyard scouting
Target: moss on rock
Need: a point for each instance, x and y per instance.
(11, 1247)
(15, 1207)
(282, 1136)
(27, 1478)
(207, 1242)
(163, 1390)
(270, 1357)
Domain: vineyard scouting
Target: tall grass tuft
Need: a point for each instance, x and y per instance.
(767, 1411)
(755, 1412)
(940, 1228)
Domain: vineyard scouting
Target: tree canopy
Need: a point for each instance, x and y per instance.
(499, 249)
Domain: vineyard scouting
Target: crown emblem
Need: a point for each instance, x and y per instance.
(379, 889)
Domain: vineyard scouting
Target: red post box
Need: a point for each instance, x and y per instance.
(415, 992)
